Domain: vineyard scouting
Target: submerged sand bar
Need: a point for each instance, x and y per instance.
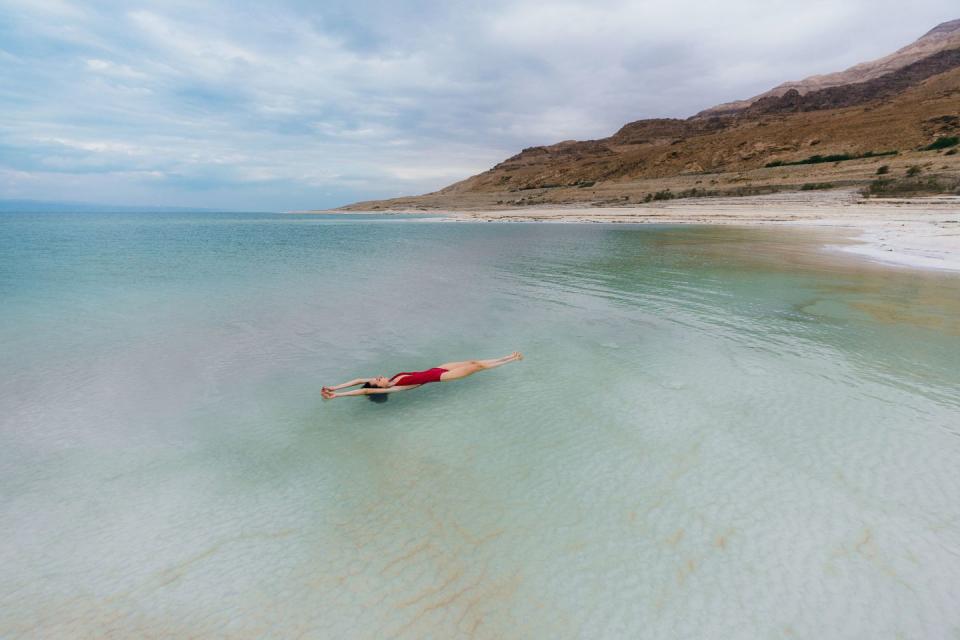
(915, 232)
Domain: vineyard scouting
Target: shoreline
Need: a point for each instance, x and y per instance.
(919, 233)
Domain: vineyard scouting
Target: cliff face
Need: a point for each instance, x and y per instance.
(849, 95)
(942, 37)
(902, 102)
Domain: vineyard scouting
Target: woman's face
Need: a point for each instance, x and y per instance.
(381, 382)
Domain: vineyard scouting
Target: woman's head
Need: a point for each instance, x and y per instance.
(380, 381)
(377, 397)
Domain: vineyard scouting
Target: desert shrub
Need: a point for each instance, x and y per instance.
(877, 187)
(836, 157)
(883, 170)
(534, 186)
(692, 193)
(659, 195)
(752, 191)
(816, 186)
(913, 171)
(952, 152)
(943, 142)
(911, 186)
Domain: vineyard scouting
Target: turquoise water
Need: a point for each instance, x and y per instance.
(716, 432)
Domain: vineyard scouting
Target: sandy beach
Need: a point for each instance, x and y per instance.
(915, 232)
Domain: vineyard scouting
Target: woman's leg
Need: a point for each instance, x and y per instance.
(494, 362)
(457, 370)
(449, 366)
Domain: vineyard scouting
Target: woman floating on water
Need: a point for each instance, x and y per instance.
(376, 388)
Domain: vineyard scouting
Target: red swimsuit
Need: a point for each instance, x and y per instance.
(408, 378)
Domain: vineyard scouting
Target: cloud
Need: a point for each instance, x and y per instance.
(297, 104)
(113, 69)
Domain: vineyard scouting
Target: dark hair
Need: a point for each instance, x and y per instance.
(375, 397)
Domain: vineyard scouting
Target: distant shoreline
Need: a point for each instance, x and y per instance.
(911, 232)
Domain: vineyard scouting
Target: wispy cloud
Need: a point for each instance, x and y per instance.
(296, 104)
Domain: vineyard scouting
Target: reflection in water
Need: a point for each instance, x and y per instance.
(717, 432)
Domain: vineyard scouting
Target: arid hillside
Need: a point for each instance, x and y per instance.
(942, 37)
(900, 126)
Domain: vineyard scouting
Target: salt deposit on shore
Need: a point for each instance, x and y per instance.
(919, 232)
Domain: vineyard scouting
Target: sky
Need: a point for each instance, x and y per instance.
(293, 104)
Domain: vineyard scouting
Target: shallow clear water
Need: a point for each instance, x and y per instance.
(716, 433)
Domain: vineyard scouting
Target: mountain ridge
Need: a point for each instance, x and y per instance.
(945, 35)
(731, 151)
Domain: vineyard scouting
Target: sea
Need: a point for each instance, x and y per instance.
(716, 432)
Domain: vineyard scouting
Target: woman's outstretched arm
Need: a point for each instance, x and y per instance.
(352, 383)
(330, 395)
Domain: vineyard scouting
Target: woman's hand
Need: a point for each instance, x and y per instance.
(327, 394)
(352, 383)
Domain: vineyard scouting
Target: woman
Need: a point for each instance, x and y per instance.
(376, 387)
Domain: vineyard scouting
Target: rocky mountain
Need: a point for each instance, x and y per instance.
(942, 37)
(825, 131)
(849, 95)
